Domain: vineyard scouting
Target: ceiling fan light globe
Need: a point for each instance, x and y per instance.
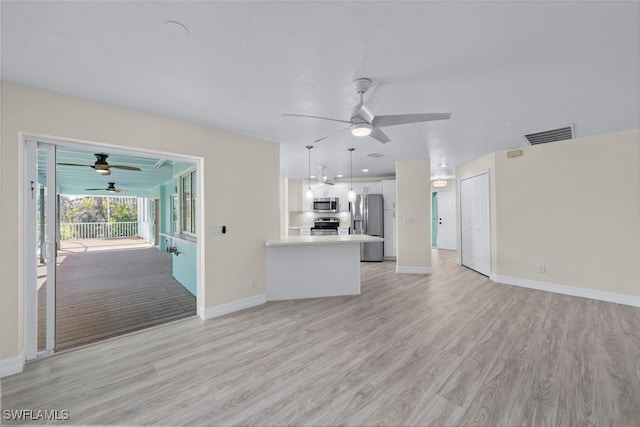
(102, 170)
(361, 129)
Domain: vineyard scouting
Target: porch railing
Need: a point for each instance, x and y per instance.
(98, 230)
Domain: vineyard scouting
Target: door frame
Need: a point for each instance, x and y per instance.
(459, 210)
(29, 264)
(31, 213)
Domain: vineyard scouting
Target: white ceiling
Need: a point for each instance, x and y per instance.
(500, 68)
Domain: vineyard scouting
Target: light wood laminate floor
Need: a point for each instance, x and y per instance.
(452, 348)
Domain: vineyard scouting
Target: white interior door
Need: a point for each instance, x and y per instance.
(40, 249)
(475, 223)
(446, 220)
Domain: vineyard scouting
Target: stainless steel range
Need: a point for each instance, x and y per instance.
(325, 226)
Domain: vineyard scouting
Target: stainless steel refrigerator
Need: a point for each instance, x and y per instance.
(367, 218)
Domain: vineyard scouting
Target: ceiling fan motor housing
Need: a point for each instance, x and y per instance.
(101, 166)
(361, 85)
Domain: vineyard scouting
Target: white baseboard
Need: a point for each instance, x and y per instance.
(493, 276)
(458, 261)
(230, 307)
(569, 290)
(11, 366)
(413, 270)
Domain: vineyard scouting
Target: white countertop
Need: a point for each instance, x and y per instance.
(324, 240)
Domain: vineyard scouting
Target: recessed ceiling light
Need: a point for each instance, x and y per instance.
(443, 165)
(339, 175)
(176, 28)
(312, 176)
(365, 170)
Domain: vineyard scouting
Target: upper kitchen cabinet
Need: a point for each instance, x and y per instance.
(367, 187)
(389, 193)
(343, 194)
(324, 190)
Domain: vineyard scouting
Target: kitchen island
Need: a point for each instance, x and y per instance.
(314, 266)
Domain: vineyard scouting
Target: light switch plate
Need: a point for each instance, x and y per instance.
(216, 230)
(408, 220)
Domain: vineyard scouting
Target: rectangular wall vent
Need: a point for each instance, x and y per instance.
(551, 135)
(375, 155)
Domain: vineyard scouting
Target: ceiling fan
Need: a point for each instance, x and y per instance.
(102, 167)
(363, 123)
(322, 178)
(111, 188)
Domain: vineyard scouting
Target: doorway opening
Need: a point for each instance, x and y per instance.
(108, 257)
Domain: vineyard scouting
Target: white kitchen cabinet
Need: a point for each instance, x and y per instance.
(372, 188)
(324, 190)
(389, 193)
(367, 187)
(389, 233)
(343, 199)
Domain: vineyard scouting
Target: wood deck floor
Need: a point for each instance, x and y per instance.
(111, 287)
(449, 349)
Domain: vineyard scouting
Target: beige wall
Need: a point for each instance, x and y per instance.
(240, 183)
(556, 205)
(562, 205)
(413, 203)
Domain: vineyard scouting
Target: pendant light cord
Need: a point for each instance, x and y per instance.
(351, 167)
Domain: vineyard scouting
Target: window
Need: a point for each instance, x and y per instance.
(175, 217)
(188, 186)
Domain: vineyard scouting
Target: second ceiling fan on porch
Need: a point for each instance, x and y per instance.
(111, 188)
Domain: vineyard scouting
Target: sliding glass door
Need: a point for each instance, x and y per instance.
(40, 234)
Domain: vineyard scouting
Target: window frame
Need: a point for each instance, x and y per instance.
(191, 230)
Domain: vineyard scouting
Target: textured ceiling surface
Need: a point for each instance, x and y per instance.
(501, 69)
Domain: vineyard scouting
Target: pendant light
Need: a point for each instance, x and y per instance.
(309, 192)
(351, 195)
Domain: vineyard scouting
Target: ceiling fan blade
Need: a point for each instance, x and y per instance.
(119, 190)
(129, 168)
(330, 135)
(403, 119)
(95, 189)
(314, 117)
(376, 95)
(377, 134)
(74, 164)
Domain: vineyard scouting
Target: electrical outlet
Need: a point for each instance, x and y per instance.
(542, 268)
(253, 284)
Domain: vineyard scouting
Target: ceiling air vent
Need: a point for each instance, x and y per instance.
(374, 155)
(551, 135)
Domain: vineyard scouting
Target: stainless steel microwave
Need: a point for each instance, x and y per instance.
(325, 204)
